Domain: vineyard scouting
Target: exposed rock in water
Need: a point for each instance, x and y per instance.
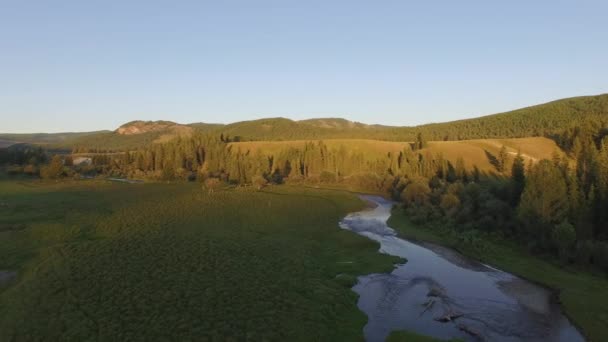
(436, 292)
(429, 304)
(448, 317)
(471, 332)
(443, 294)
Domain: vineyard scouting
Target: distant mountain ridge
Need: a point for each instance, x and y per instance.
(538, 120)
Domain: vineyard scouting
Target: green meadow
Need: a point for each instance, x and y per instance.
(107, 261)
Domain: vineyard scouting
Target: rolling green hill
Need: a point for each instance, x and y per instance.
(206, 127)
(540, 120)
(132, 135)
(286, 129)
(45, 138)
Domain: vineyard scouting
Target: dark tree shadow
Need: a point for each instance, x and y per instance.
(492, 159)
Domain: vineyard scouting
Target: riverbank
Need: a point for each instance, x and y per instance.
(584, 297)
(446, 295)
(408, 336)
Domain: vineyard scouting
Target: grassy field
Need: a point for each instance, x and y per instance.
(584, 296)
(474, 152)
(106, 261)
(368, 147)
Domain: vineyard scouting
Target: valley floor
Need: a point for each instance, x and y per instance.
(112, 261)
(94, 259)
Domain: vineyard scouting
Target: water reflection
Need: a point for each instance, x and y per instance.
(441, 293)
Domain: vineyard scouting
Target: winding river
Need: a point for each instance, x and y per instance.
(443, 294)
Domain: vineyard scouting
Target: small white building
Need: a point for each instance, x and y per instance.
(81, 161)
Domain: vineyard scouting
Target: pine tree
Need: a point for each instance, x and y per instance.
(544, 201)
(54, 169)
(503, 159)
(564, 237)
(518, 176)
(420, 142)
(461, 171)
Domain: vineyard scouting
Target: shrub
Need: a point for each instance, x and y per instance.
(366, 180)
(472, 241)
(30, 169)
(563, 237)
(14, 170)
(417, 192)
(456, 189)
(54, 170)
(421, 214)
(259, 182)
(450, 204)
(167, 174)
(295, 177)
(277, 177)
(212, 184)
(327, 177)
(346, 280)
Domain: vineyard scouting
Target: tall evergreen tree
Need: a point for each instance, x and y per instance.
(518, 176)
(544, 201)
(503, 159)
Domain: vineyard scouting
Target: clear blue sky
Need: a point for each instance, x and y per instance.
(88, 65)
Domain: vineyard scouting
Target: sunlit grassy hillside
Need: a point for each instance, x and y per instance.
(477, 152)
(480, 152)
(368, 147)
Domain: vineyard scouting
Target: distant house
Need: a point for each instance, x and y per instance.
(79, 161)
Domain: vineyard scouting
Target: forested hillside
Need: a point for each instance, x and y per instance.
(546, 119)
(45, 138)
(286, 129)
(541, 120)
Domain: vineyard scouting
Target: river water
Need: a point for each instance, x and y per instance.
(437, 283)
